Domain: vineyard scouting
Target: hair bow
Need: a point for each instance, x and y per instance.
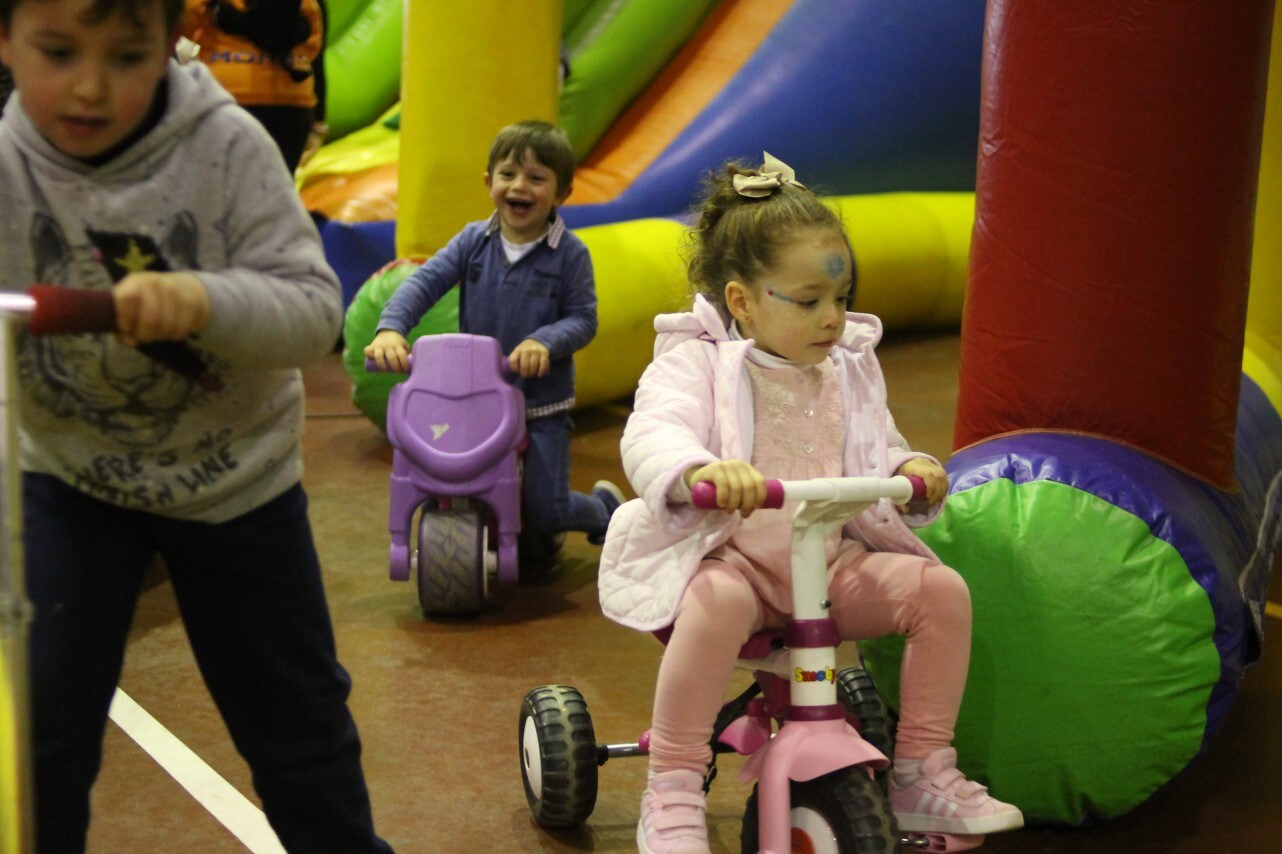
(773, 173)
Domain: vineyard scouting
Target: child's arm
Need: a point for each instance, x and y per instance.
(904, 460)
(274, 301)
(424, 288)
(415, 297)
(670, 431)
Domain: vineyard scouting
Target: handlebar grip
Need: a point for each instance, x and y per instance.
(71, 310)
(68, 311)
(919, 487)
(372, 366)
(704, 495)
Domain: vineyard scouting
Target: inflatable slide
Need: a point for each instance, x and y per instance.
(657, 95)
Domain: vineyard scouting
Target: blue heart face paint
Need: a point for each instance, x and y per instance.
(835, 265)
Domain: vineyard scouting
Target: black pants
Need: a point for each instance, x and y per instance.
(252, 601)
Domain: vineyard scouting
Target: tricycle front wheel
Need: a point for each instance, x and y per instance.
(557, 747)
(839, 813)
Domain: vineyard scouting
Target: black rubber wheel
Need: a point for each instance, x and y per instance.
(843, 812)
(557, 749)
(858, 696)
(450, 561)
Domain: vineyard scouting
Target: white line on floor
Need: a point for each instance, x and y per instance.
(246, 821)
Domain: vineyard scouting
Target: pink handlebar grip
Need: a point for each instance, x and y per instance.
(919, 487)
(704, 495)
(71, 310)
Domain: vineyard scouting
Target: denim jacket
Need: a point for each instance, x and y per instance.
(549, 295)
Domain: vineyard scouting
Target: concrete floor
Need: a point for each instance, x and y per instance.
(437, 701)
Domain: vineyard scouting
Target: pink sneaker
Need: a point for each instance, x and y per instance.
(942, 800)
(672, 815)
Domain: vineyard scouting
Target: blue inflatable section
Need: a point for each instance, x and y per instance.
(857, 96)
(354, 250)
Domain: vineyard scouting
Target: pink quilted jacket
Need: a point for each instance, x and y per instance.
(693, 406)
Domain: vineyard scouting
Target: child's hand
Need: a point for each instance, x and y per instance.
(530, 359)
(160, 307)
(739, 486)
(390, 351)
(931, 472)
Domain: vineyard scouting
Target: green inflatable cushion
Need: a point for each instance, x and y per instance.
(1092, 656)
(370, 388)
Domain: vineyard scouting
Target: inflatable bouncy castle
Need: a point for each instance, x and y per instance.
(872, 105)
(1119, 448)
(1116, 479)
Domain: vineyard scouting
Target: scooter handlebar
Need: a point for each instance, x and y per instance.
(373, 367)
(55, 310)
(62, 311)
(704, 493)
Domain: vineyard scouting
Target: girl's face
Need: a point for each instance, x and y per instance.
(524, 191)
(797, 308)
(87, 86)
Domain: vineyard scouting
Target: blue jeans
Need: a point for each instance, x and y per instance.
(251, 597)
(548, 504)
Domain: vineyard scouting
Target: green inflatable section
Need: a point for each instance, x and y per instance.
(362, 62)
(370, 388)
(1092, 694)
(615, 49)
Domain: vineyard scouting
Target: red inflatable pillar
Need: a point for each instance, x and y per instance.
(1110, 259)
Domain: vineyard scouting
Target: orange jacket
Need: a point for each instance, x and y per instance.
(246, 70)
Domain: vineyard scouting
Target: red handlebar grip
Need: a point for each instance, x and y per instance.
(919, 487)
(704, 495)
(71, 310)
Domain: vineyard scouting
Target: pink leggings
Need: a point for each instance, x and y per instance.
(875, 594)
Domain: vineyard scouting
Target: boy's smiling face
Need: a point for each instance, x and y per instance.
(87, 84)
(524, 192)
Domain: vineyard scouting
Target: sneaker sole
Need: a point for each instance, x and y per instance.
(936, 824)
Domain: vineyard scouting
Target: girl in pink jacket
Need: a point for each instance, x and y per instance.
(769, 376)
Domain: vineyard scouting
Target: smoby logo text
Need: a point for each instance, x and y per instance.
(825, 675)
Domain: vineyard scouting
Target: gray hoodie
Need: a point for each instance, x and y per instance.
(206, 191)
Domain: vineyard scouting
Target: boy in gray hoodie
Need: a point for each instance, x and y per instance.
(121, 169)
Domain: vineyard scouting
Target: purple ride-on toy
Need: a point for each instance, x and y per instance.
(457, 428)
(818, 741)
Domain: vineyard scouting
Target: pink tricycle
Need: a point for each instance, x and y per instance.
(817, 740)
(457, 428)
